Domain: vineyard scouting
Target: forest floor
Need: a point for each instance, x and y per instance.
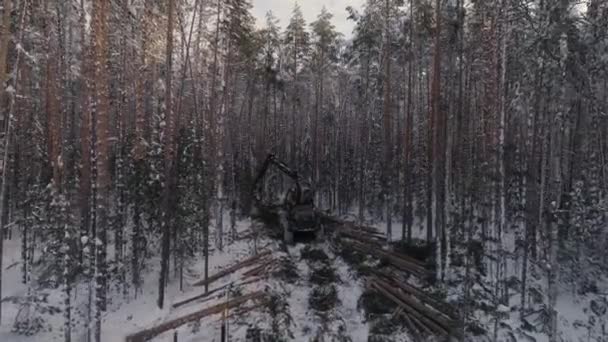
(311, 291)
(293, 295)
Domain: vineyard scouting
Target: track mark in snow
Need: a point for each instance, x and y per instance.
(298, 297)
(349, 292)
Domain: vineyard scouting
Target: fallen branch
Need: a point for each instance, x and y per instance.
(232, 269)
(148, 334)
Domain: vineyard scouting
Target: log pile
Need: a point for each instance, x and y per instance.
(397, 280)
(400, 261)
(368, 232)
(420, 314)
(150, 333)
(362, 237)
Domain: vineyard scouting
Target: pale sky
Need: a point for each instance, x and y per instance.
(311, 8)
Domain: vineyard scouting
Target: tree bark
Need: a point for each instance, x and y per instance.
(101, 115)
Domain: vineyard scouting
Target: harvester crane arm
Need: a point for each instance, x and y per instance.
(272, 160)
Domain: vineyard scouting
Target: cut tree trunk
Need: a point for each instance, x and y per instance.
(232, 269)
(150, 333)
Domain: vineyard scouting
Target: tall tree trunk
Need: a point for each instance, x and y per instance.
(4, 42)
(387, 122)
(408, 146)
(85, 138)
(556, 182)
(5, 37)
(502, 191)
(169, 135)
(434, 145)
(101, 114)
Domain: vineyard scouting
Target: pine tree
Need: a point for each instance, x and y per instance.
(297, 46)
(324, 42)
(101, 155)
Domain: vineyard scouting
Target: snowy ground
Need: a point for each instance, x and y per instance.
(344, 321)
(131, 314)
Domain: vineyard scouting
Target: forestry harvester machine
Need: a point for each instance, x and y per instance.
(296, 213)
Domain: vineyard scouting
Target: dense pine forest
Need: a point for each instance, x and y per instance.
(472, 132)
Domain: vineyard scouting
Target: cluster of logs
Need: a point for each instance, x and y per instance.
(258, 297)
(369, 242)
(422, 314)
(259, 265)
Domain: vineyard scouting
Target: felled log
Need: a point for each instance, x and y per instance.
(361, 237)
(433, 312)
(442, 308)
(426, 322)
(370, 231)
(410, 324)
(420, 326)
(257, 271)
(214, 291)
(432, 315)
(403, 265)
(242, 311)
(150, 333)
(407, 258)
(404, 261)
(232, 269)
